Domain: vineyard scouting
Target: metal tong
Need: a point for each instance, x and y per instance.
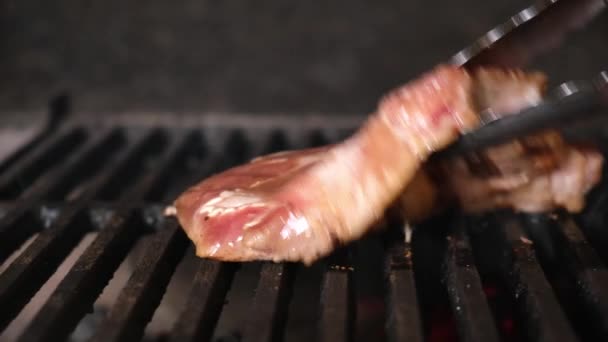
(572, 102)
(514, 44)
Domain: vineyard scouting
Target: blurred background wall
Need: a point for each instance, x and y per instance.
(335, 56)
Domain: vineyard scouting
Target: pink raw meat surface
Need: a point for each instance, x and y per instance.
(301, 205)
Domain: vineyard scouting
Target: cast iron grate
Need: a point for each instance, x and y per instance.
(502, 277)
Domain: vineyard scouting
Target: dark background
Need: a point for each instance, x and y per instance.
(255, 56)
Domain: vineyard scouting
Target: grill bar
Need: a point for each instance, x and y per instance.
(591, 273)
(205, 302)
(576, 261)
(29, 271)
(36, 160)
(544, 319)
(77, 291)
(17, 155)
(13, 234)
(142, 294)
(403, 322)
(466, 294)
(83, 283)
(144, 160)
(268, 315)
(336, 305)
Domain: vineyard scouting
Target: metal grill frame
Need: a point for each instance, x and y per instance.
(125, 142)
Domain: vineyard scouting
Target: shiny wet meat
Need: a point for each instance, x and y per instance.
(301, 205)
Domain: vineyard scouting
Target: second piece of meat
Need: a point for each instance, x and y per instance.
(537, 173)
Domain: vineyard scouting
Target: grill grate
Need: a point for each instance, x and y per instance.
(460, 278)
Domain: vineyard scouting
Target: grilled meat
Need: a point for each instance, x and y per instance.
(300, 209)
(533, 174)
(497, 92)
(538, 182)
(300, 205)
